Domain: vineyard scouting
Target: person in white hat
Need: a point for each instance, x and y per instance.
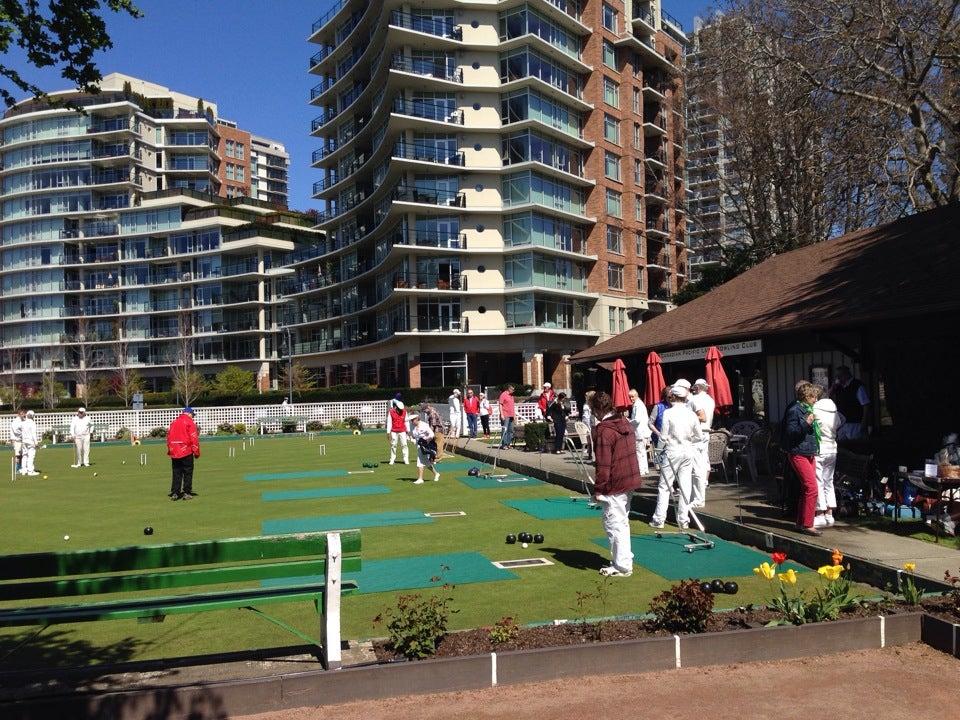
(397, 429)
(641, 428)
(16, 426)
(456, 413)
(425, 438)
(703, 405)
(29, 439)
(547, 396)
(679, 435)
(80, 429)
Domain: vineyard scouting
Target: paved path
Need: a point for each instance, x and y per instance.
(882, 547)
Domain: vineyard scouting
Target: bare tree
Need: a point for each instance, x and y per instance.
(51, 391)
(88, 358)
(126, 380)
(187, 382)
(11, 391)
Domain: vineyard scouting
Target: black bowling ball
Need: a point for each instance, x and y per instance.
(730, 588)
(706, 587)
(538, 538)
(511, 539)
(716, 586)
(148, 530)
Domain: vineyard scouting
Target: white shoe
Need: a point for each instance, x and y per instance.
(390, 463)
(656, 525)
(611, 571)
(436, 478)
(406, 462)
(33, 473)
(74, 466)
(819, 521)
(698, 505)
(684, 527)
(418, 482)
(830, 520)
(86, 464)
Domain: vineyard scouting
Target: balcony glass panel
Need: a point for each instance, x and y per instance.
(533, 188)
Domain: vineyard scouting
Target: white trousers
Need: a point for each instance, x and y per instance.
(401, 439)
(826, 497)
(679, 469)
(642, 457)
(616, 523)
(17, 449)
(455, 423)
(700, 473)
(82, 445)
(29, 454)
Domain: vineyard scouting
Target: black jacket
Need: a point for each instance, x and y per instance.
(797, 436)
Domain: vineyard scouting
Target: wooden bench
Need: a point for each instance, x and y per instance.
(300, 559)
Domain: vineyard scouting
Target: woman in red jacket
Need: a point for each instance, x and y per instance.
(183, 445)
(617, 476)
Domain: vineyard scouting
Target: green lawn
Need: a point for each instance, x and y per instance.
(113, 507)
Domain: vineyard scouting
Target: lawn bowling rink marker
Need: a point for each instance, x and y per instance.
(360, 472)
(13, 469)
(447, 513)
(231, 452)
(506, 479)
(323, 449)
(143, 459)
(522, 563)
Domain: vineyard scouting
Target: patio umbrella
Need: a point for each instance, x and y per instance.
(719, 385)
(655, 381)
(621, 388)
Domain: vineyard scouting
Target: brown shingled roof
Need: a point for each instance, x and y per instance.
(906, 268)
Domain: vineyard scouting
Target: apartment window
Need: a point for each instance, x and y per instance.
(637, 65)
(637, 172)
(241, 173)
(240, 151)
(622, 318)
(615, 276)
(639, 242)
(639, 278)
(637, 208)
(611, 166)
(614, 239)
(611, 92)
(614, 203)
(612, 319)
(636, 101)
(228, 148)
(609, 55)
(611, 129)
(637, 135)
(230, 172)
(609, 18)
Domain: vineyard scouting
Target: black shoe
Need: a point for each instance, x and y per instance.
(174, 497)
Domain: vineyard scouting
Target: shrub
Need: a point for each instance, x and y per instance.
(954, 580)
(354, 423)
(417, 623)
(535, 435)
(684, 608)
(314, 426)
(224, 429)
(505, 630)
(122, 434)
(240, 428)
(158, 432)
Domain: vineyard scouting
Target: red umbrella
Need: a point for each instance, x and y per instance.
(655, 381)
(719, 385)
(621, 388)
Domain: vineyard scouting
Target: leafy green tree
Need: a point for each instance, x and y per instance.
(65, 34)
(233, 380)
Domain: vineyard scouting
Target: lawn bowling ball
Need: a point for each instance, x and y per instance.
(716, 586)
(523, 545)
(66, 537)
(44, 477)
(730, 588)
(511, 539)
(707, 587)
(525, 537)
(94, 474)
(473, 472)
(148, 530)
(538, 538)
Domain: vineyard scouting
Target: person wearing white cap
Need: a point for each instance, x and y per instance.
(80, 428)
(29, 439)
(456, 413)
(679, 435)
(547, 396)
(426, 441)
(703, 405)
(641, 428)
(16, 426)
(397, 429)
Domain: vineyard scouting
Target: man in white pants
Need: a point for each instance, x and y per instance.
(679, 436)
(80, 430)
(703, 405)
(397, 430)
(30, 438)
(641, 428)
(16, 426)
(456, 413)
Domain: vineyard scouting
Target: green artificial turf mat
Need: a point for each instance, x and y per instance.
(666, 557)
(296, 475)
(343, 522)
(555, 508)
(486, 483)
(446, 466)
(408, 573)
(312, 493)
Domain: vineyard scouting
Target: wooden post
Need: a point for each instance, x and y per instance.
(330, 622)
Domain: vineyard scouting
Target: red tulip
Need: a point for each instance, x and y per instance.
(779, 558)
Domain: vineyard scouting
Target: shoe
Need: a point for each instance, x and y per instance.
(174, 497)
(74, 466)
(390, 463)
(418, 482)
(436, 478)
(86, 464)
(187, 496)
(611, 571)
(684, 527)
(33, 473)
(830, 520)
(820, 521)
(698, 505)
(656, 525)
(810, 531)
(406, 462)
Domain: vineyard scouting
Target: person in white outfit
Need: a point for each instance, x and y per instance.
(16, 426)
(425, 438)
(704, 406)
(830, 419)
(80, 428)
(485, 411)
(641, 428)
(397, 430)
(680, 434)
(30, 439)
(456, 413)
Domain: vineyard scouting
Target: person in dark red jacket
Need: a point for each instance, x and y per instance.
(617, 477)
(183, 445)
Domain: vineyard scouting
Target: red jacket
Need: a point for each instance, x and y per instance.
(546, 397)
(615, 450)
(183, 438)
(471, 405)
(398, 419)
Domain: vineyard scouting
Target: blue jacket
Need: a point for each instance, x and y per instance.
(797, 436)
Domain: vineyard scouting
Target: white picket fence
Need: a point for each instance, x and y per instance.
(208, 418)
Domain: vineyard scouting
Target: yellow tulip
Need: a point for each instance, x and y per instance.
(789, 577)
(909, 567)
(766, 570)
(830, 572)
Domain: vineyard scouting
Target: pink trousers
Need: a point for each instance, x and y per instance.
(806, 470)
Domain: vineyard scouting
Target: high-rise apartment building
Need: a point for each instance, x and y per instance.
(269, 168)
(124, 238)
(712, 224)
(503, 186)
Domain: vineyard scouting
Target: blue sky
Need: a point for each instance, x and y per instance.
(248, 56)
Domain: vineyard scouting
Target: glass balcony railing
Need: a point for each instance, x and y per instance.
(438, 69)
(439, 27)
(429, 281)
(427, 153)
(329, 15)
(429, 110)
